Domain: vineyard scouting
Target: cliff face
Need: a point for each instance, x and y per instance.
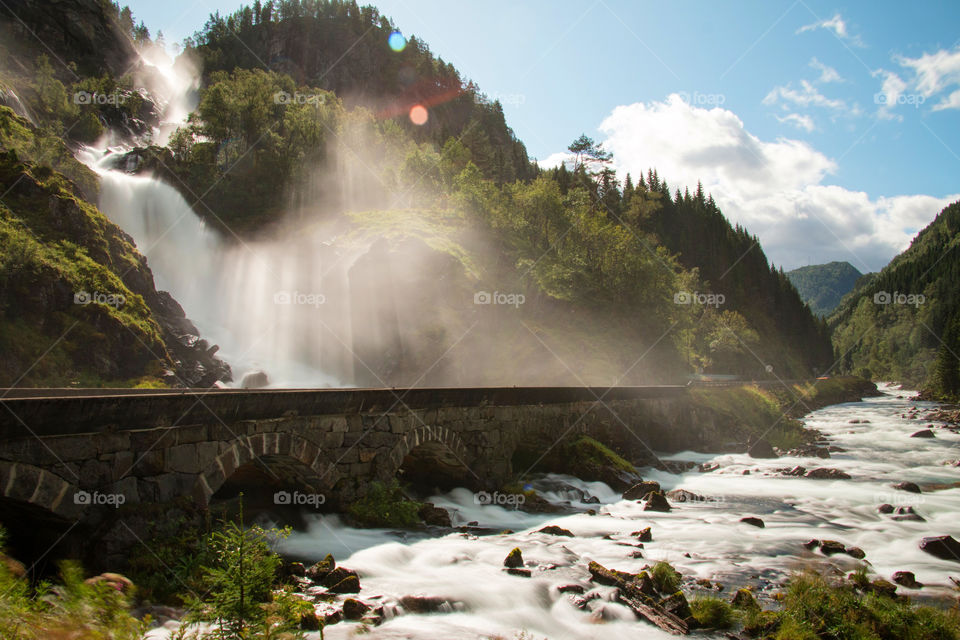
(78, 305)
(80, 31)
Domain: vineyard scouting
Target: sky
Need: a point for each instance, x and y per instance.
(831, 131)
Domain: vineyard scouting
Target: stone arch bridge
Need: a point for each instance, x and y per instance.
(72, 452)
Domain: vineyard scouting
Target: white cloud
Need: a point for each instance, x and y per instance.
(774, 188)
(806, 96)
(804, 122)
(837, 25)
(827, 73)
(554, 160)
(934, 73)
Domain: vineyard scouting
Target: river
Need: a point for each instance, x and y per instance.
(704, 540)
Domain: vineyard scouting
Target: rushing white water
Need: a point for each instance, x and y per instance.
(467, 570)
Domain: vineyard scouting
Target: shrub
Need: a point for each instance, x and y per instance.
(384, 505)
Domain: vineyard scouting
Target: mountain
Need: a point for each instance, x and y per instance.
(901, 323)
(822, 286)
(302, 141)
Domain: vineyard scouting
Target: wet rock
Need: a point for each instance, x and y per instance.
(907, 486)
(644, 535)
(677, 605)
(908, 514)
(641, 490)
(707, 467)
(923, 433)
(519, 572)
(883, 587)
(571, 588)
(424, 604)
(796, 472)
(15, 567)
(679, 466)
(656, 502)
(336, 575)
(811, 544)
(514, 559)
(885, 508)
(434, 515)
(254, 380)
(609, 577)
(353, 609)
(809, 451)
(761, 449)
(591, 500)
(682, 495)
(856, 552)
(310, 621)
(115, 581)
(823, 473)
(331, 617)
(943, 547)
(554, 530)
(350, 584)
(752, 521)
(743, 599)
(906, 579)
(319, 571)
(832, 547)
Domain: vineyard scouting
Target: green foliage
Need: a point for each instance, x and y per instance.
(69, 609)
(813, 608)
(385, 505)
(823, 286)
(665, 578)
(237, 584)
(593, 452)
(897, 341)
(713, 613)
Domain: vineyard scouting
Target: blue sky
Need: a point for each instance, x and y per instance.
(830, 130)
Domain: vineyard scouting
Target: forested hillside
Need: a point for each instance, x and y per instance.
(822, 286)
(902, 323)
(303, 118)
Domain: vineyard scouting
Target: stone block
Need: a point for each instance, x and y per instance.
(183, 459)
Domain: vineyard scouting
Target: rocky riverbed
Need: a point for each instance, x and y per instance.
(866, 495)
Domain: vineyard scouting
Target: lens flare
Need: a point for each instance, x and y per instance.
(419, 114)
(397, 41)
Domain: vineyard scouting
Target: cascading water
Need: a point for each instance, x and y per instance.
(280, 307)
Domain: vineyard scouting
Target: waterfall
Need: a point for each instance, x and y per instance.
(276, 306)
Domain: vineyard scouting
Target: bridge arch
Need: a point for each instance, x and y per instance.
(35, 486)
(429, 457)
(266, 447)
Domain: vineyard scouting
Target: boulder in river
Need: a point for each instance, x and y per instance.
(656, 501)
(682, 495)
(743, 599)
(885, 508)
(943, 547)
(923, 433)
(909, 514)
(752, 521)
(424, 604)
(554, 530)
(831, 547)
(644, 535)
(353, 609)
(824, 473)
(641, 490)
(761, 449)
(434, 515)
(907, 486)
(514, 559)
(319, 571)
(350, 584)
(907, 579)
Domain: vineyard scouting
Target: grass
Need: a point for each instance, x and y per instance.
(813, 608)
(665, 578)
(713, 613)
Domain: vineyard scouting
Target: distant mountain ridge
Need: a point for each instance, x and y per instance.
(902, 323)
(823, 286)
